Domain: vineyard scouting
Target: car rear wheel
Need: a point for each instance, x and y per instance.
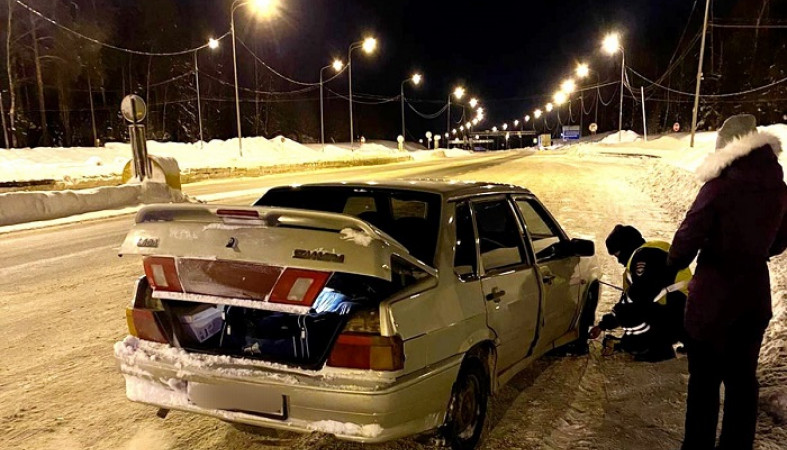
(466, 414)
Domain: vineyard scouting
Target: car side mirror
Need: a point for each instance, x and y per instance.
(583, 247)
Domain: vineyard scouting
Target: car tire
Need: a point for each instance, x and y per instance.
(580, 346)
(466, 415)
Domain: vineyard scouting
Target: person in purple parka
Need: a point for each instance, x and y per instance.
(737, 222)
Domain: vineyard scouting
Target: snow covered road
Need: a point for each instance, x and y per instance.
(63, 290)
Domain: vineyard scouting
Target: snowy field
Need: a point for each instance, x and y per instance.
(591, 402)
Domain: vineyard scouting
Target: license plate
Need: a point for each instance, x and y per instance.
(238, 398)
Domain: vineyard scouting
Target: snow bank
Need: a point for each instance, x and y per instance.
(346, 429)
(626, 136)
(76, 163)
(21, 207)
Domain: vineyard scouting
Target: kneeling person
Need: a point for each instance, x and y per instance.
(650, 311)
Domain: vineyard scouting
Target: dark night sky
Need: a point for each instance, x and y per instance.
(504, 52)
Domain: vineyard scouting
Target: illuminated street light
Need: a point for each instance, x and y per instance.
(461, 128)
(475, 121)
(550, 107)
(453, 131)
(480, 110)
(516, 123)
(459, 92)
(416, 80)
(494, 129)
(505, 126)
(568, 86)
(468, 125)
(213, 44)
(337, 65)
(527, 119)
(263, 8)
(612, 45)
(560, 98)
(583, 70)
(473, 102)
(537, 113)
(368, 45)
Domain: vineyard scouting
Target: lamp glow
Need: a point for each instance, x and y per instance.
(213, 43)
(527, 119)
(583, 70)
(537, 113)
(505, 126)
(494, 129)
(611, 43)
(560, 98)
(475, 121)
(369, 44)
(417, 79)
(473, 102)
(516, 123)
(459, 93)
(550, 107)
(568, 86)
(337, 65)
(265, 8)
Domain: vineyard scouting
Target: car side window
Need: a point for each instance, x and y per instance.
(465, 256)
(356, 206)
(499, 236)
(543, 231)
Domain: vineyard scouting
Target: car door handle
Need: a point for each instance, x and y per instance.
(496, 295)
(548, 278)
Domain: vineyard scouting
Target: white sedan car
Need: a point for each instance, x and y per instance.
(369, 311)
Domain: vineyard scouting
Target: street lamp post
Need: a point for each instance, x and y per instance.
(368, 45)
(612, 45)
(213, 44)
(266, 8)
(337, 66)
(459, 92)
(416, 80)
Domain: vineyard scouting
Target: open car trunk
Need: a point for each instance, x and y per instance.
(264, 283)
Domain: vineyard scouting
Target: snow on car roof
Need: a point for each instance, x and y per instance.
(441, 187)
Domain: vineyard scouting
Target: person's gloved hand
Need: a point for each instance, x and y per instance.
(608, 322)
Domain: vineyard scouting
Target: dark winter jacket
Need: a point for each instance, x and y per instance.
(737, 222)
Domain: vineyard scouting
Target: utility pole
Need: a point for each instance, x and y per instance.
(699, 74)
(644, 118)
(2, 119)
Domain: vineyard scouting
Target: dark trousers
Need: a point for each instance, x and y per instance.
(735, 365)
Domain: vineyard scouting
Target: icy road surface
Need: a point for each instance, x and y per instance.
(63, 292)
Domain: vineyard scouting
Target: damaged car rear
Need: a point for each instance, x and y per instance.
(321, 308)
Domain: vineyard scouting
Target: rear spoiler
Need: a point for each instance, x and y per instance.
(282, 237)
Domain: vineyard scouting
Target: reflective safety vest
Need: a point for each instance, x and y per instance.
(680, 284)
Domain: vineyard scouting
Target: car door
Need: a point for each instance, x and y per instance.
(508, 280)
(560, 273)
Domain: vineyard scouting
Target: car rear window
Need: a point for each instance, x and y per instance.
(410, 217)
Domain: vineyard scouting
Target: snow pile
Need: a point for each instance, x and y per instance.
(346, 429)
(356, 237)
(21, 207)
(626, 136)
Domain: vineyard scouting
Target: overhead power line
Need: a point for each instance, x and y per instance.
(115, 47)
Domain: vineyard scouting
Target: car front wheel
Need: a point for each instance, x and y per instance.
(467, 409)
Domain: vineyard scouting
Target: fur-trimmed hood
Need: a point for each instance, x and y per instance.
(715, 163)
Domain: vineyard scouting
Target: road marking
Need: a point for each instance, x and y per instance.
(19, 267)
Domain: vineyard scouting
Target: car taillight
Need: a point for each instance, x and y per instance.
(145, 324)
(162, 273)
(299, 287)
(239, 213)
(145, 315)
(368, 352)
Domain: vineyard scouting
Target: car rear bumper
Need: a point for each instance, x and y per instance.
(371, 410)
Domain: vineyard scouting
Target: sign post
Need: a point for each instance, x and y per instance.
(134, 111)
